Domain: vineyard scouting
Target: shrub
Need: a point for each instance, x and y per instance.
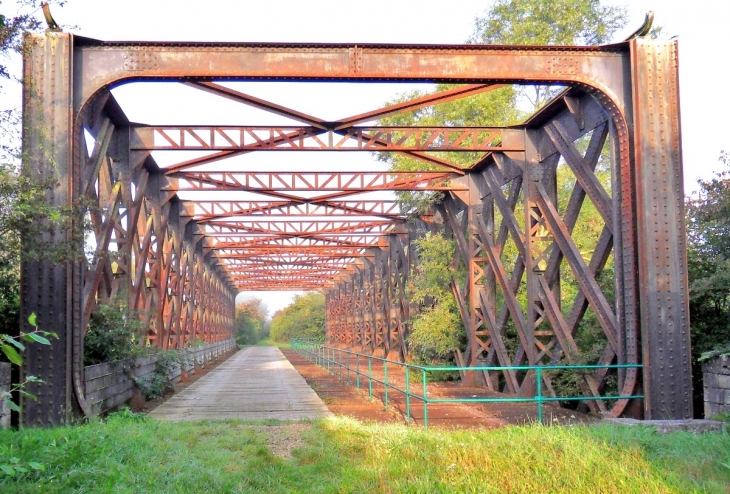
(114, 333)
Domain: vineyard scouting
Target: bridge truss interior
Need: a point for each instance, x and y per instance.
(570, 219)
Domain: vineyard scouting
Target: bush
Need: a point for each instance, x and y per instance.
(114, 333)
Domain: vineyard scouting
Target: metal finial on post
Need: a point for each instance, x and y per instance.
(52, 24)
(645, 28)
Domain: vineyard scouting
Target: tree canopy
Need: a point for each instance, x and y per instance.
(251, 324)
(708, 256)
(304, 319)
(549, 22)
(437, 330)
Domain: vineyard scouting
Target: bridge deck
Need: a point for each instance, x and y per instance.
(255, 384)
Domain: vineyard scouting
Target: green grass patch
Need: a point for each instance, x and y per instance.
(128, 453)
(285, 345)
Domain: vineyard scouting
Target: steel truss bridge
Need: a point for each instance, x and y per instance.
(174, 242)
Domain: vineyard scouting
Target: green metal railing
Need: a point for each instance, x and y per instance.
(343, 363)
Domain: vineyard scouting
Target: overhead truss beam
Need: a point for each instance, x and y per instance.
(282, 138)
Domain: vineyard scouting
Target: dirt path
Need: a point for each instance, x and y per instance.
(344, 399)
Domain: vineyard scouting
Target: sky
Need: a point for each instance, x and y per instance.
(700, 26)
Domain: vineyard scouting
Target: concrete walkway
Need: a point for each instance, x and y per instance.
(256, 383)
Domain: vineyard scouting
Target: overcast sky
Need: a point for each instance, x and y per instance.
(701, 26)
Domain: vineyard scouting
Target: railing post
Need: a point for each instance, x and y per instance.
(370, 377)
(385, 380)
(357, 370)
(425, 400)
(539, 394)
(408, 397)
(348, 368)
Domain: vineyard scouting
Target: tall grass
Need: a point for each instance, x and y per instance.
(127, 453)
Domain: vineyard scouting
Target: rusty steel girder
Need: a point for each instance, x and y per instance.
(350, 182)
(530, 285)
(282, 138)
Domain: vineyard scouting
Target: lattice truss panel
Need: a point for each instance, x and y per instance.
(536, 238)
(143, 246)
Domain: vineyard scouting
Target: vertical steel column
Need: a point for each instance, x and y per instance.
(370, 311)
(382, 307)
(52, 292)
(359, 300)
(352, 309)
(660, 231)
(328, 317)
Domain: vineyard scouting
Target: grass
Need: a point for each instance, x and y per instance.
(269, 342)
(127, 453)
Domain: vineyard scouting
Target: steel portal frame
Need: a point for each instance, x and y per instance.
(183, 261)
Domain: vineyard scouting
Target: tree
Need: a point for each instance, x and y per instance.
(708, 260)
(708, 265)
(251, 326)
(548, 22)
(522, 22)
(437, 330)
(303, 319)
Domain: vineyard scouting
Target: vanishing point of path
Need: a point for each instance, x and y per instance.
(256, 383)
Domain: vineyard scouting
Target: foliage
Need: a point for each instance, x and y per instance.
(708, 265)
(708, 256)
(128, 453)
(719, 351)
(708, 235)
(115, 332)
(251, 326)
(159, 381)
(303, 319)
(437, 328)
(492, 108)
(547, 22)
(524, 22)
(153, 386)
(24, 211)
(12, 347)
(12, 29)
(196, 342)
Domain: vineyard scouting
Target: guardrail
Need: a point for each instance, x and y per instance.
(347, 362)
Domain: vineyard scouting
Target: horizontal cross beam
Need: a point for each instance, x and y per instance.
(205, 211)
(294, 241)
(312, 181)
(308, 138)
(295, 227)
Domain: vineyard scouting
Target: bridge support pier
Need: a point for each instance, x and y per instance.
(51, 291)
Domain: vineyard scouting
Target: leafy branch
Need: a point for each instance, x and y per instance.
(12, 346)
